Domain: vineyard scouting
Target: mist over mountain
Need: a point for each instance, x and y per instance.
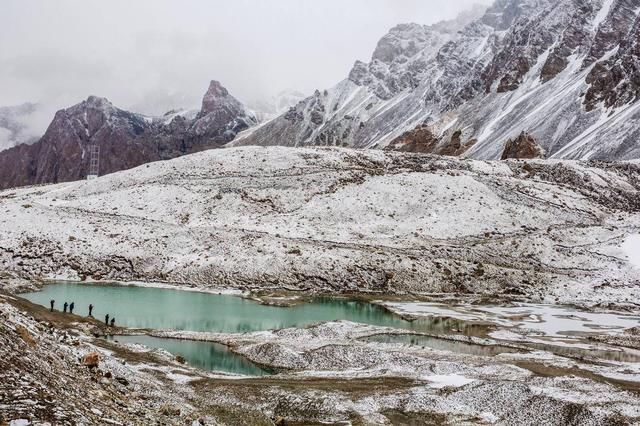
(564, 71)
(152, 56)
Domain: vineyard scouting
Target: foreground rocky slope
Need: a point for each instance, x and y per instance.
(339, 220)
(327, 374)
(564, 71)
(125, 139)
(43, 379)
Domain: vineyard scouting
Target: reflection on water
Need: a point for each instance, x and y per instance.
(204, 355)
(626, 355)
(160, 308)
(441, 344)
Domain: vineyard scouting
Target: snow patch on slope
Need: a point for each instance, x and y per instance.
(631, 247)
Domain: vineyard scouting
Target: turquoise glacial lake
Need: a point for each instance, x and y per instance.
(172, 309)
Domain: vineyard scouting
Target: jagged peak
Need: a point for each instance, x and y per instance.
(98, 100)
(213, 96)
(99, 103)
(95, 103)
(402, 40)
(216, 89)
(503, 13)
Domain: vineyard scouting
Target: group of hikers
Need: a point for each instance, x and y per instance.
(72, 306)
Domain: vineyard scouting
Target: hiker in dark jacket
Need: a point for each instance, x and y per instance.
(64, 307)
(71, 306)
(52, 302)
(113, 322)
(106, 319)
(90, 309)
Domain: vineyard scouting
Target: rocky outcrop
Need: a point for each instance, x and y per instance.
(522, 147)
(125, 139)
(422, 140)
(566, 70)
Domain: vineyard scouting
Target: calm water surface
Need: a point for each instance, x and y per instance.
(161, 308)
(172, 309)
(203, 355)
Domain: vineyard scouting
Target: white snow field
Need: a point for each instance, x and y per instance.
(338, 220)
(631, 247)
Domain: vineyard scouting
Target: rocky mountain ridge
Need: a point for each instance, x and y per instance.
(125, 139)
(564, 71)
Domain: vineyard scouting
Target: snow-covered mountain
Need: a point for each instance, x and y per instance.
(125, 139)
(14, 125)
(566, 72)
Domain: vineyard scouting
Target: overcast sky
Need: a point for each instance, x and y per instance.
(138, 53)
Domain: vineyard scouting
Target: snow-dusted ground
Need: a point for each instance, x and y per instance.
(631, 247)
(337, 220)
(546, 320)
(337, 349)
(329, 376)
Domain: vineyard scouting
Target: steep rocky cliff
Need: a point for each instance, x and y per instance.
(564, 71)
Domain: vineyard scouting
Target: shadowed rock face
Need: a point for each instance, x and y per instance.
(125, 139)
(616, 81)
(522, 147)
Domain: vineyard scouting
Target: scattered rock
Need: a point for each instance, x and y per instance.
(122, 381)
(91, 360)
(25, 335)
(170, 410)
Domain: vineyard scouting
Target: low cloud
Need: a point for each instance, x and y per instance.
(154, 55)
(5, 139)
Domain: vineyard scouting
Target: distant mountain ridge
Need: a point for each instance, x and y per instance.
(565, 72)
(125, 139)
